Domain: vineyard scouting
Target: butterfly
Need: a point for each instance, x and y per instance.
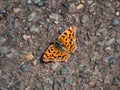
(62, 47)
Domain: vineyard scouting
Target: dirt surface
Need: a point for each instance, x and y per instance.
(27, 27)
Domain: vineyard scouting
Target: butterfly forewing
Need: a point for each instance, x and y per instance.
(68, 38)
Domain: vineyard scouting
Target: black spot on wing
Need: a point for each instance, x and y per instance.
(69, 34)
(70, 30)
(46, 55)
(49, 51)
(63, 36)
(65, 33)
(59, 56)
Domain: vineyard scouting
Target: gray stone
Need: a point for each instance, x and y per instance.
(3, 50)
(46, 88)
(117, 30)
(55, 17)
(42, 3)
(58, 85)
(26, 67)
(108, 4)
(48, 78)
(109, 42)
(115, 22)
(65, 4)
(69, 80)
(29, 2)
(85, 19)
(94, 56)
(116, 80)
(18, 84)
(65, 70)
(72, 7)
(117, 13)
(2, 40)
(36, 1)
(117, 39)
(32, 16)
(83, 75)
(108, 79)
(55, 65)
(34, 29)
(60, 29)
(35, 62)
(3, 88)
(112, 60)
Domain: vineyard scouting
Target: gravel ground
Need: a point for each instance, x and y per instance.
(27, 27)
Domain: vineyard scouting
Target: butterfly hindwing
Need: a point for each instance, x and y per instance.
(54, 54)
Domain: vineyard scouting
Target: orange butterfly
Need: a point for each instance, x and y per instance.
(61, 49)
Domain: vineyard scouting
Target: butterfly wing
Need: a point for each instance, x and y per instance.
(68, 38)
(54, 54)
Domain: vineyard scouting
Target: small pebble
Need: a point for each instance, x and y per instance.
(3, 50)
(108, 4)
(80, 6)
(3, 88)
(49, 27)
(27, 88)
(32, 16)
(65, 71)
(115, 22)
(65, 4)
(26, 67)
(117, 30)
(34, 29)
(94, 55)
(46, 88)
(89, 1)
(36, 1)
(82, 1)
(69, 80)
(2, 40)
(29, 2)
(35, 62)
(26, 37)
(109, 42)
(108, 79)
(48, 78)
(42, 3)
(112, 60)
(58, 85)
(72, 7)
(92, 84)
(116, 81)
(18, 84)
(61, 30)
(17, 10)
(83, 75)
(117, 13)
(55, 65)
(85, 19)
(117, 39)
(55, 17)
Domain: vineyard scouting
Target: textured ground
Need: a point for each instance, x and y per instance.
(27, 27)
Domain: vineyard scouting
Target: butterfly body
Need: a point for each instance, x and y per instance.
(61, 48)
